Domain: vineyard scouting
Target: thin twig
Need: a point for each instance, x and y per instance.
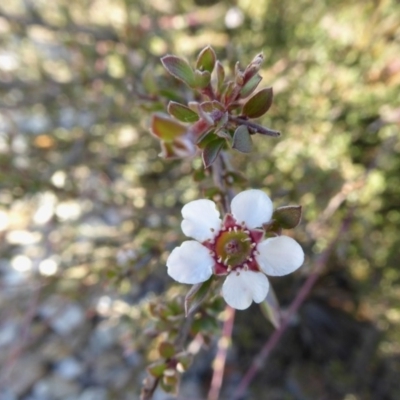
(220, 359)
(255, 127)
(319, 265)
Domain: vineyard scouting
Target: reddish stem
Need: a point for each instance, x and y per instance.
(270, 344)
(220, 358)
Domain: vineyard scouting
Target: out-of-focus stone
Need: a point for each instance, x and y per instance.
(53, 387)
(62, 316)
(94, 394)
(25, 372)
(69, 368)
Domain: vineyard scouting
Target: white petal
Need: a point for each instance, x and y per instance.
(240, 289)
(200, 220)
(279, 256)
(191, 262)
(253, 207)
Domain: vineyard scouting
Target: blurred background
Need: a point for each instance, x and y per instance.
(89, 212)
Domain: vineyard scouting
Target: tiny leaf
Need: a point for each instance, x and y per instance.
(196, 295)
(287, 217)
(220, 76)
(206, 60)
(165, 128)
(181, 112)
(179, 68)
(157, 368)
(259, 104)
(250, 86)
(242, 140)
(211, 151)
(184, 358)
(149, 81)
(166, 349)
(270, 308)
(202, 78)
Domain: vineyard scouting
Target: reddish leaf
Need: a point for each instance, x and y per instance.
(259, 104)
(211, 151)
(181, 112)
(165, 128)
(166, 349)
(250, 86)
(287, 217)
(179, 68)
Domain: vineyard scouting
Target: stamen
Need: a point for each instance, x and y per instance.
(250, 259)
(246, 240)
(229, 268)
(230, 230)
(226, 261)
(220, 260)
(235, 228)
(253, 245)
(246, 267)
(246, 231)
(212, 229)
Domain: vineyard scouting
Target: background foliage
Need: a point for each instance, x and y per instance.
(89, 213)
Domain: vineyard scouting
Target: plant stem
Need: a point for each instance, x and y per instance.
(270, 344)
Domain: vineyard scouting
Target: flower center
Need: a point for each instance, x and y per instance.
(233, 248)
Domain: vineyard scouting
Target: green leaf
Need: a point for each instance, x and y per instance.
(166, 349)
(181, 112)
(206, 60)
(242, 140)
(196, 295)
(165, 128)
(259, 104)
(185, 359)
(170, 381)
(157, 368)
(250, 86)
(211, 151)
(270, 308)
(179, 68)
(149, 81)
(202, 78)
(220, 77)
(287, 217)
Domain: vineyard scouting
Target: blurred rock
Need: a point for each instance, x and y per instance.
(54, 387)
(63, 317)
(69, 368)
(24, 373)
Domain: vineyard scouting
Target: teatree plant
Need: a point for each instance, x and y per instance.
(236, 235)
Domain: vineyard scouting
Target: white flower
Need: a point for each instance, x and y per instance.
(233, 247)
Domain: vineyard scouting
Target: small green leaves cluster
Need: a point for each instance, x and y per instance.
(169, 317)
(221, 117)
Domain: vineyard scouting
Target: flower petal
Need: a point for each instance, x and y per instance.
(200, 220)
(191, 262)
(279, 256)
(253, 207)
(241, 288)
